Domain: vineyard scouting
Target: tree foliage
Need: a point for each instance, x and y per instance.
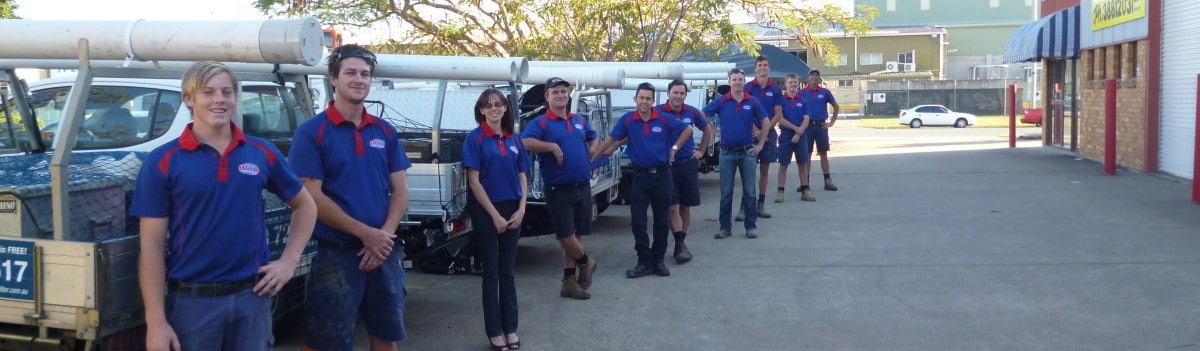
(583, 30)
(8, 9)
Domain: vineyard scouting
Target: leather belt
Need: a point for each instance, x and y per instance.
(352, 244)
(210, 289)
(736, 148)
(652, 170)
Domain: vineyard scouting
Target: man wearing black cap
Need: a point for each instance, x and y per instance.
(562, 141)
(817, 100)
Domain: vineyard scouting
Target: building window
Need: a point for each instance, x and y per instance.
(871, 59)
(891, 5)
(994, 3)
(842, 60)
(924, 5)
(845, 83)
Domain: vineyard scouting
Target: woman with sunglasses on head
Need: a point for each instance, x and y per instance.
(496, 163)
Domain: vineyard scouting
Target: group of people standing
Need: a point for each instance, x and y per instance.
(204, 272)
(748, 116)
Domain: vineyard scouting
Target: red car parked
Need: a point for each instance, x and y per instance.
(1032, 116)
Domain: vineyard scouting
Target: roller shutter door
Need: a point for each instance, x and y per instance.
(1180, 66)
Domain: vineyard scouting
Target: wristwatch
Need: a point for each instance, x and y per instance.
(675, 147)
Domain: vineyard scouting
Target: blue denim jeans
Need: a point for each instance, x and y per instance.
(736, 160)
(239, 321)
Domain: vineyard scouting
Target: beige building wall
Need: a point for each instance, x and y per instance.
(1125, 63)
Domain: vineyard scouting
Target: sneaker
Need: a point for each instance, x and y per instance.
(829, 185)
(722, 235)
(571, 289)
(806, 196)
(639, 271)
(585, 273)
(750, 234)
(779, 196)
(660, 269)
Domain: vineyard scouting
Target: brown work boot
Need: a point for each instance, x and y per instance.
(571, 289)
(779, 196)
(585, 273)
(829, 185)
(806, 196)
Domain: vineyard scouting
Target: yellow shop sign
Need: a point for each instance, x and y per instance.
(1108, 13)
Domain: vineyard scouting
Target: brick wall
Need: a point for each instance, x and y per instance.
(1127, 64)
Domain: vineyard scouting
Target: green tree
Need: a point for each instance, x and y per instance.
(8, 9)
(583, 30)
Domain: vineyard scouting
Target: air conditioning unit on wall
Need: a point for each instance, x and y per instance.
(908, 67)
(891, 66)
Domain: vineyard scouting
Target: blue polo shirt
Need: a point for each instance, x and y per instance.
(649, 141)
(571, 133)
(353, 163)
(213, 203)
(793, 111)
(689, 115)
(818, 101)
(736, 118)
(500, 159)
(770, 96)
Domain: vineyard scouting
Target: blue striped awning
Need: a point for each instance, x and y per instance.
(1053, 36)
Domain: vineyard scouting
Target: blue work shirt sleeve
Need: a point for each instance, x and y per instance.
(397, 158)
(621, 128)
(151, 192)
(471, 150)
(305, 154)
(281, 180)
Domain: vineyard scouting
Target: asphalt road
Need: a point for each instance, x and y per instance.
(939, 239)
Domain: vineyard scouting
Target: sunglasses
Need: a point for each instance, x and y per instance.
(494, 105)
(355, 52)
(736, 71)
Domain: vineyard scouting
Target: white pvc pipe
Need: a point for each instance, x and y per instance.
(296, 41)
(687, 67)
(512, 69)
(722, 76)
(453, 68)
(648, 70)
(593, 78)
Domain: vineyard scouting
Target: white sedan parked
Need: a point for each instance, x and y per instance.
(935, 115)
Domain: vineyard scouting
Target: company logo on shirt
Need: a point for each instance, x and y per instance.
(657, 129)
(687, 120)
(249, 169)
(376, 143)
(746, 107)
(513, 148)
(799, 104)
(578, 126)
(820, 96)
(770, 93)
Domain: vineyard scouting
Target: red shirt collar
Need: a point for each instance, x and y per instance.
(550, 113)
(653, 115)
(188, 140)
(489, 132)
(667, 107)
(810, 88)
(337, 118)
(744, 95)
(769, 82)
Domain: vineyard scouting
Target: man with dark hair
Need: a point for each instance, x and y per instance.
(653, 141)
(354, 166)
(740, 113)
(563, 142)
(817, 101)
(771, 97)
(684, 170)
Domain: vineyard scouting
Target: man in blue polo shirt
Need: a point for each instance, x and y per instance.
(205, 189)
(653, 142)
(818, 100)
(792, 142)
(685, 170)
(771, 97)
(353, 164)
(563, 142)
(739, 115)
